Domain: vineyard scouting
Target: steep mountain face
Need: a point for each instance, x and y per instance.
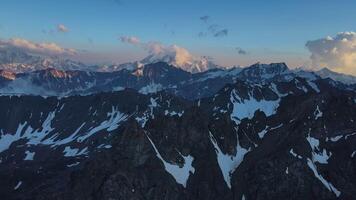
(279, 139)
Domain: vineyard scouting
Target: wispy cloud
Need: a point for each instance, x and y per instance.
(337, 53)
(214, 30)
(202, 34)
(241, 51)
(62, 28)
(205, 18)
(130, 39)
(221, 33)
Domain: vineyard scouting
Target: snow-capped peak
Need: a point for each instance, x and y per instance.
(19, 61)
(180, 58)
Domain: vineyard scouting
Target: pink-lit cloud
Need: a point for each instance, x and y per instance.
(46, 48)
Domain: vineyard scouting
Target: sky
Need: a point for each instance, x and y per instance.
(231, 32)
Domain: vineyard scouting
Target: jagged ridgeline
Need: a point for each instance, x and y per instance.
(158, 132)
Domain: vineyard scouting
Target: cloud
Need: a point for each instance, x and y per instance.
(221, 33)
(157, 49)
(337, 53)
(241, 51)
(202, 34)
(215, 31)
(130, 39)
(213, 28)
(49, 48)
(205, 18)
(172, 54)
(61, 28)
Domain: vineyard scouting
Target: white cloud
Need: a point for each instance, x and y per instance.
(130, 39)
(337, 53)
(62, 28)
(172, 54)
(49, 48)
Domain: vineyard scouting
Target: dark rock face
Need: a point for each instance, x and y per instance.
(280, 139)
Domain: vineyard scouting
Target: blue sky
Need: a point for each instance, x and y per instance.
(269, 31)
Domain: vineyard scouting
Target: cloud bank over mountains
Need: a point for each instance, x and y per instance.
(45, 48)
(337, 53)
(172, 54)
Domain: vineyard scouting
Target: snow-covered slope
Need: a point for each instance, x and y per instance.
(327, 73)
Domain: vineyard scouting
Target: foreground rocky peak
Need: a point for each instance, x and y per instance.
(274, 140)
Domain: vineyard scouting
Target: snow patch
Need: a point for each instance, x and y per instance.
(118, 88)
(318, 155)
(314, 86)
(69, 152)
(246, 108)
(18, 185)
(173, 113)
(353, 154)
(115, 117)
(228, 163)
(294, 154)
(29, 155)
(317, 113)
(336, 138)
(153, 104)
(74, 164)
(66, 140)
(262, 133)
(327, 184)
(34, 137)
(142, 120)
(180, 174)
(7, 139)
(151, 88)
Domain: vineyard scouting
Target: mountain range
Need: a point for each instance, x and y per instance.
(156, 131)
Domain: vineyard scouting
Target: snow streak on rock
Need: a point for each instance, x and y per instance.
(327, 184)
(115, 118)
(180, 174)
(228, 163)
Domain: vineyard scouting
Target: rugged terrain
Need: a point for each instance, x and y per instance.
(158, 132)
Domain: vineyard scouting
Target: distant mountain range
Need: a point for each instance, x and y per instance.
(21, 73)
